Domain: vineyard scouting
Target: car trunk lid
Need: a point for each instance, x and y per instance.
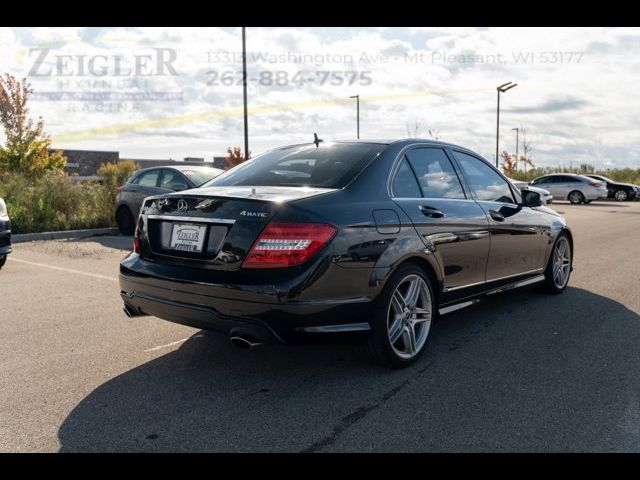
(212, 227)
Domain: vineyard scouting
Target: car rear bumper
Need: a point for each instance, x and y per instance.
(5, 237)
(230, 310)
(593, 194)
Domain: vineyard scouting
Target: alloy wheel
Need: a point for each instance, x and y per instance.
(561, 262)
(621, 195)
(575, 197)
(409, 316)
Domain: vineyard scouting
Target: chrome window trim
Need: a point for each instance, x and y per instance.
(177, 218)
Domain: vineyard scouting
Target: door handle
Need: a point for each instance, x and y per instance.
(496, 215)
(431, 212)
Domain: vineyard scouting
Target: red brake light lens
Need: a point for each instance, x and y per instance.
(595, 184)
(286, 244)
(136, 241)
(119, 189)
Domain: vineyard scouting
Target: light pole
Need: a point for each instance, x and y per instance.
(357, 97)
(501, 89)
(517, 135)
(244, 93)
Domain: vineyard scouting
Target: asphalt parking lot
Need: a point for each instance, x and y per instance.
(521, 371)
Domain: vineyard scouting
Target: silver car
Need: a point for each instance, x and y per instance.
(569, 186)
(545, 196)
(156, 181)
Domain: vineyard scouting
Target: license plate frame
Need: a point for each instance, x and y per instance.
(187, 237)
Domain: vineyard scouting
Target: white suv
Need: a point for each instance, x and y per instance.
(572, 187)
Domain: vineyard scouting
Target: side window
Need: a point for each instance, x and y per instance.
(485, 182)
(172, 180)
(436, 176)
(149, 179)
(404, 184)
(134, 178)
(541, 181)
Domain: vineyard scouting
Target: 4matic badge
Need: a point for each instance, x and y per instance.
(244, 213)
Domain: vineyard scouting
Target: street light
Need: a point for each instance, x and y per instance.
(357, 97)
(501, 89)
(517, 135)
(244, 93)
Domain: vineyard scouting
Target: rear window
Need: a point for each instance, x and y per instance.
(201, 176)
(328, 166)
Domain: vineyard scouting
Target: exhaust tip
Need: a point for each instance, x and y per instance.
(132, 312)
(245, 343)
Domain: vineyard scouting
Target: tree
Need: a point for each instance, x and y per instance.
(508, 163)
(235, 157)
(527, 148)
(413, 131)
(27, 146)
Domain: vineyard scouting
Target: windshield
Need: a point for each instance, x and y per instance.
(201, 176)
(327, 166)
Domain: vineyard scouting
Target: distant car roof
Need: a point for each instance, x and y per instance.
(182, 168)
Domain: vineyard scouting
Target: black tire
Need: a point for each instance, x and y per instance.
(621, 195)
(576, 197)
(3, 260)
(125, 221)
(378, 344)
(550, 285)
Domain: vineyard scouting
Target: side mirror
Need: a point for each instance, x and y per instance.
(530, 198)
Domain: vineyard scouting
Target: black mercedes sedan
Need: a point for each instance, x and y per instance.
(367, 239)
(618, 190)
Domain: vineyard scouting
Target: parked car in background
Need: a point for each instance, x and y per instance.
(369, 239)
(568, 186)
(5, 233)
(618, 190)
(155, 181)
(545, 196)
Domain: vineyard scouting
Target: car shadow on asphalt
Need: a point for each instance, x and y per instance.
(519, 371)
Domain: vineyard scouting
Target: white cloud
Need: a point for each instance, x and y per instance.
(578, 93)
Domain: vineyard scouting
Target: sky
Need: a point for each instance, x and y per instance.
(177, 92)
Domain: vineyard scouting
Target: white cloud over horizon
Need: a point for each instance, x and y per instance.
(578, 94)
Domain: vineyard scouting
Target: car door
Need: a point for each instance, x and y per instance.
(173, 181)
(454, 228)
(516, 231)
(145, 185)
(571, 183)
(549, 183)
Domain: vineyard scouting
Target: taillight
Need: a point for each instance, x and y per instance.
(119, 189)
(285, 244)
(595, 184)
(136, 241)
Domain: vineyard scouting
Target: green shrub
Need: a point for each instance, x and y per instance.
(113, 175)
(55, 202)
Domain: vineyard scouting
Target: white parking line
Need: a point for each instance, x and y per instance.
(62, 269)
(160, 347)
(177, 342)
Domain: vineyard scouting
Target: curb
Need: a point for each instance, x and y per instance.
(63, 235)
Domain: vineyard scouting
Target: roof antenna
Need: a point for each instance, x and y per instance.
(317, 140)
